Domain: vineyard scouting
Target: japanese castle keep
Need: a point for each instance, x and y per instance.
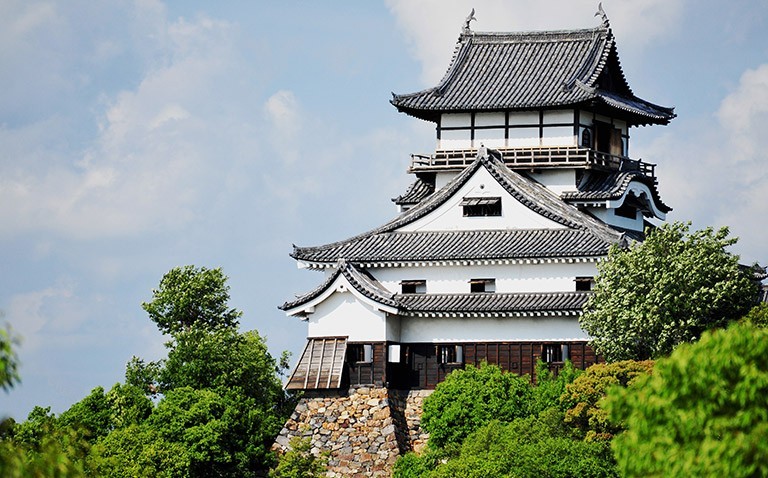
(492, 254)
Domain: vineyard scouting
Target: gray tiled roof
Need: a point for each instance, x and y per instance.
(600, 186)
(418, 304)
(416, 192)
(458, 245)
(501, 303)
(529, 70)
(361, 281)
(528, 192)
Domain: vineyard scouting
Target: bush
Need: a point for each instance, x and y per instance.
(582, 398)
(299, 462)
(528, 447)
(703, 412)
(471, 398)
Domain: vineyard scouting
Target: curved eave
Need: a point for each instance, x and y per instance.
(384, 263)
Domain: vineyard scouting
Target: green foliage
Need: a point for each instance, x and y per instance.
(299, 462)
(549, 388)
(528, 447)
(9, 362)
(583, 398)
(50, 452)
(471, 398)
(666, 291)
(758, 316)
(219, 400)
(412, 465)
(138, 451)
(703, 411)
(192, 298)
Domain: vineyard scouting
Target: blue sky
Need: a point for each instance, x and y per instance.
(136, 136)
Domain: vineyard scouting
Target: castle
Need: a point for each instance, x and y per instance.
(495, 246)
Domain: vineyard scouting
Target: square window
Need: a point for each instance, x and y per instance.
(482, 285)
(584, 284)
(361, 353)
(451, 354)
(413, 287)
(555, 353)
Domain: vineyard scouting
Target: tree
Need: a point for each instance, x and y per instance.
(666, 291)
(703, 411)
(583, 397)
(190, 297)
(9, 362)
(299, 462)
(529, 447)
(470, 398)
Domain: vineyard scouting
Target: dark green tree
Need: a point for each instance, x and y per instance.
(471, 398)
(666, 291)
(9, 362)
(703, 411)
(192, 298)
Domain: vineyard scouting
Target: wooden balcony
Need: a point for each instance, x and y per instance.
(533, 158)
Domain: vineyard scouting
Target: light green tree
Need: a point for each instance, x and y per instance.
(192, 298)
(703, 412)
(666, 291)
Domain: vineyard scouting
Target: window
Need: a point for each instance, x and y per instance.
(553, 353)
(451, 354)
(413, 287)
(361, 353)
(583, 283)
(586, 138)
(393, 353)
(484, 206)
(626, 210)
(482, 285)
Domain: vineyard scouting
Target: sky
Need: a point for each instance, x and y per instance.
(137, 136)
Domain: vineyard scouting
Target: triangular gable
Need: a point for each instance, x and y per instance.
(345, 278)
(532, 195)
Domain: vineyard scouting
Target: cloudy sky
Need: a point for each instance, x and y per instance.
(136, 136)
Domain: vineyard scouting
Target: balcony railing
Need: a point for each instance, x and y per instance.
(533, 158)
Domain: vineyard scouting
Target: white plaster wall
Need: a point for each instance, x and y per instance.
(422, 329)
(490, 119)
(455, 120)
(449, 216)
(558, 116)
(342, 314)
(557, 180)
(609, 216)
(509, 278)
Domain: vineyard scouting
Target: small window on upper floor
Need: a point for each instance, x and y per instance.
(626, 210)
(451, 354)
(482, 285)
(484, 206)
(586, 138)
(360, 353)
(584, 283)
(413, 287)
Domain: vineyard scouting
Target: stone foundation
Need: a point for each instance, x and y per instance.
(364, 429)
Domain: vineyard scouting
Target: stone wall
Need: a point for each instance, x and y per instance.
(363, 429)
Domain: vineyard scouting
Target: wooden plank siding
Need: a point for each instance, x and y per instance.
(419, 364)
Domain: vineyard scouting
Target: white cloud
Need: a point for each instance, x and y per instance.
(154, 161)
(713, 171)
(284, 115)
(31, 314)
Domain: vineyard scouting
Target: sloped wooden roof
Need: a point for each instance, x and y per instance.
(321, 365)
(533, 70)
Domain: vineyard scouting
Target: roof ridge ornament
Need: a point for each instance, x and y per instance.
(602, 14)
(470, 17)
